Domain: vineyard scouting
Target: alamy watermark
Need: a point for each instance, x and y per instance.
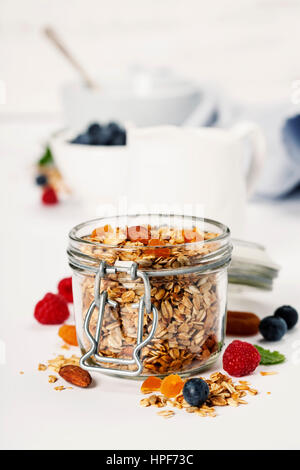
(176, 214)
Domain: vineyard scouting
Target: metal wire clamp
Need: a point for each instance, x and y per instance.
(100, 301)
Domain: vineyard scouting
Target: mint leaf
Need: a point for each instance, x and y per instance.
(269, 357)
(47, 157)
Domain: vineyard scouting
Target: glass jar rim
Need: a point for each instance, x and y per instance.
(213, 259)
(225, 234)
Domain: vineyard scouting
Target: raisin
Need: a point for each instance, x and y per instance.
(151, 384)
(242, 323)
(171, 386)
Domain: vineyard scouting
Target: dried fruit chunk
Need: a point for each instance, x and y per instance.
(75, 375)
(156, 242)
(171, 386)
(151, 384)
(102, 231)
(242, 323)
(158, 252)
(191, 236)
(68, 334)
(138, 233)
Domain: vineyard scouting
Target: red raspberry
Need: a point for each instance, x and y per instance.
(65, 289)
(240, 358)
(51, 310)
(49, 196)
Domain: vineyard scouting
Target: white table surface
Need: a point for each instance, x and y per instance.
(108, 415)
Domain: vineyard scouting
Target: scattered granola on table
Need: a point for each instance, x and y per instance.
(60, 361)
(52, 379)
(268, 373)
(222, 392)
(166, 413)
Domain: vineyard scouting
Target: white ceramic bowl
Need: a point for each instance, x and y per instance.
(96, 174)
(143, 99)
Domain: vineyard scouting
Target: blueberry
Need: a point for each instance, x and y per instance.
(94, 129)
(111, 134)
(41, 180)
(83, 139)
(195, 391)
(96, 138)
(120, 138)
(113, 127)
(288, 314)
(104, 137)
(272, 328)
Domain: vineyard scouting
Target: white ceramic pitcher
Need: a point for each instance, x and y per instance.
(198, 170)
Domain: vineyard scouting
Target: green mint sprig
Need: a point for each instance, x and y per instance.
(47, 157)
(268, 357)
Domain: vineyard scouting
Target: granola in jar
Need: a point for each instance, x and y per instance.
(186, 262)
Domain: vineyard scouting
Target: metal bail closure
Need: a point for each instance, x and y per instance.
(100, 301)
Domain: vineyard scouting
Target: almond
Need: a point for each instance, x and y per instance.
(75, 375)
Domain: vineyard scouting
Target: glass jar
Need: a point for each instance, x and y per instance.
(142, 309)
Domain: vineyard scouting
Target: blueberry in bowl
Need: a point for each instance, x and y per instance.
(83, 139)
(106, 134)
(88, 163)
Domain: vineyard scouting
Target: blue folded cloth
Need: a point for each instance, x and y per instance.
(281, 172)
(281, 127)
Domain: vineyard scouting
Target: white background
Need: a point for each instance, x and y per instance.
(250, 49)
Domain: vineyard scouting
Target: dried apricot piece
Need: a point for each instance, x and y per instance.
(171, 386)
(102, 231)
(158, 252)
(68, 334)
(156, 242)
(151, 384)
(242, 323)
(191, 236)
(138, 233)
